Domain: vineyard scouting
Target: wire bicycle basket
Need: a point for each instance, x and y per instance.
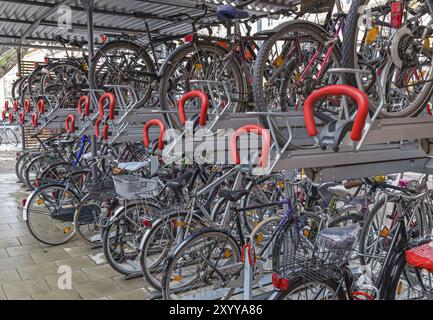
(133, 187)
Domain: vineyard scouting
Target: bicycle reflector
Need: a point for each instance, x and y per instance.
(279, 283)
(24, 202)
(188, 38)
(397, 13)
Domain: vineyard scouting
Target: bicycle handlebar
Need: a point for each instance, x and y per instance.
(338, 90)
(160, 124)
(204, 106)
(266, 145)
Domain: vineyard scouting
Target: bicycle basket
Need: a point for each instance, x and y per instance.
(302, 259)
(134, 187)
(317, 6)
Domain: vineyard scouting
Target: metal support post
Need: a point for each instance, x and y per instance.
(88, 6)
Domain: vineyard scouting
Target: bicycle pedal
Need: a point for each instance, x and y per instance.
(333, 134)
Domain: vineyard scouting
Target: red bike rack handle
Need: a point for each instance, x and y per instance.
(35, 120)
(11, 117)
(6, 106)
(22, 117)
(112, 100)
(86, 101)
(204, 106)
(266, 144)
(4, 115)
(160, 124)
(41, 106)
(16, 106)
(338, 90)
(70, 123)
(105, 130)
(27, 108)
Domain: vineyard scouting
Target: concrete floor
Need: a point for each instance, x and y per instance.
(29, 270)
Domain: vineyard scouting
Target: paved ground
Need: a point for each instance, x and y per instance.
(28, 270)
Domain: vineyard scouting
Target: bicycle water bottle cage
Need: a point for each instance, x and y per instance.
(334, 132)
(204, 100)
(228, 12)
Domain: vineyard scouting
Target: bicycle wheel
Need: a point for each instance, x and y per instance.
(402, 55)
(198, 61)
(378, 229)
(164, 235)
(301, 289)
(291, 64)
(408, 283)
(63, 83)
(122, 236)
(32, 170)
(49, 213)
(20, 163)
(191, 270)
(11, 137)
(123, 63)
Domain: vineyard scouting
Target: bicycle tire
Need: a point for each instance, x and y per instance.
(122, 44)
(174, 60)
(224, 235)
(11, 136)
(32, 197)
(311, 29)
(350, 60)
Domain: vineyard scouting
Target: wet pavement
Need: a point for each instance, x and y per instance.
(31, 270)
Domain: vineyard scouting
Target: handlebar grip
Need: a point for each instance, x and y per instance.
(6, 106)
(204, 105)
(70, 123)
(338, 90)
(41, 106)
(27, 107)
(86, 101)
(16, 106)
(112, 100)
(35, 120)
(160, 124)
(266, 144)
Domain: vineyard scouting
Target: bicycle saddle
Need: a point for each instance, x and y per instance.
(228, 12)
(232, 196)
(163, 173)
(180, 182)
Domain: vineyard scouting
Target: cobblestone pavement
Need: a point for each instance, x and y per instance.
(29, 270)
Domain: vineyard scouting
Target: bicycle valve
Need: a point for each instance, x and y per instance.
(397, 13)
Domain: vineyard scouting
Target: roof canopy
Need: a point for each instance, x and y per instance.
(35, 22)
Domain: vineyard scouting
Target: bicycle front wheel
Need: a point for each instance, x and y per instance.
(49, 213)
(202, 267)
